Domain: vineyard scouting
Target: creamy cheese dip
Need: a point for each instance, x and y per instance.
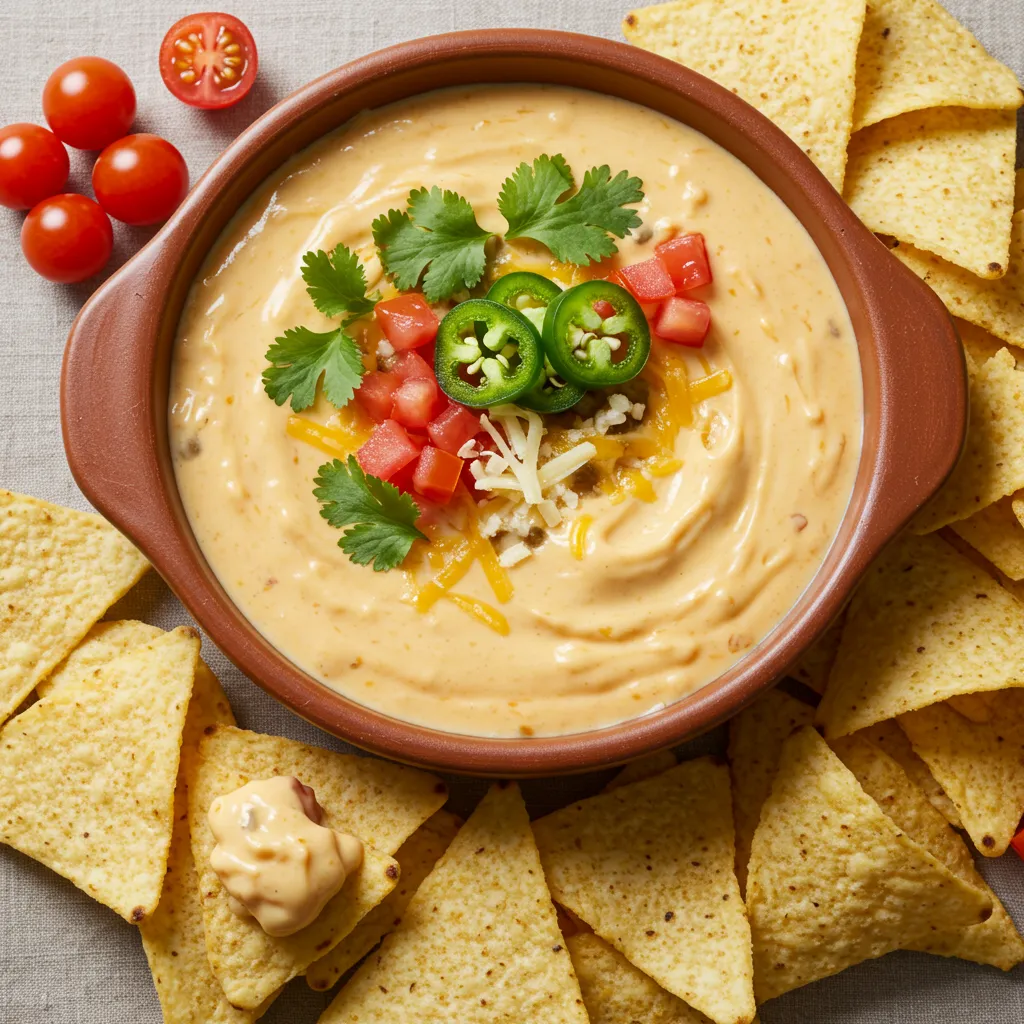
(671, 593)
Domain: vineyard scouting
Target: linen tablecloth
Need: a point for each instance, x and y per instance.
(67, 960)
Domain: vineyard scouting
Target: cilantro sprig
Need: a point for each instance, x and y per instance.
(436, 238)
(336, 283)
(381, 518)
(576, 229)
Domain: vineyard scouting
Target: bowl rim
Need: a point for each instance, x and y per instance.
(116, 365)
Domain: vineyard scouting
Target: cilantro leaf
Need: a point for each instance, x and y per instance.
(299, 358)
(577, 229)
(336, 282)
(381, 517)
(438, 235)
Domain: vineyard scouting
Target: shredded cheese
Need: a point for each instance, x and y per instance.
(578, 536)
(481, 611)
(514, 555)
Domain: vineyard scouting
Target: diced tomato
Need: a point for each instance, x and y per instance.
(376, 394)
(649, 308)
(387, 450)
(1018, 843)
(649, 281)
(410, 365)
(453, 428)
(437, 474)
(684, 321)
(686, 260)
(604, 309)
(415, 401)
(407, 321)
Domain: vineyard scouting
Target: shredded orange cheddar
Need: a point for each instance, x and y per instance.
(457, 562)
(341, 441)
(708, 387)
(578, 536)
(481, 611)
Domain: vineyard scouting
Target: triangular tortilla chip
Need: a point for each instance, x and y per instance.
(381, 803)
(996, 306)
(891, 739)
(833, 881)
(980, 765)
(992, 465)
(651, 868)
(416, 858)
(643, 768)
(60, 570)
(995, 941)
(615, 992)
(814, 666)
(976, 707)
(914, 55)
(926, 624)
(87, 774)
(781, 56)
(981, 345)
(941, 180)
(479, 942)
(173, 936)
(756, 736)
(104, 642)
(997, 533)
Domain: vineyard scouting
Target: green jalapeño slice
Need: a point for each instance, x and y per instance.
(487, 354)
(596, 335)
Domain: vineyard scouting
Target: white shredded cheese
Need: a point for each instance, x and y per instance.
(513, 555)
(566, 464)
(620, 403)
(549, 513)
(385, 349)
(469, 450)
(491, 525)
(637, 412)
(571, 498)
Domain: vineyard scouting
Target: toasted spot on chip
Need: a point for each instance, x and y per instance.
(941, 180)
(60, 570)
(979, 764)
(926, 624)
(380, 803)
(81, 795)
(475, 943)
(643, 768)
(795, 60)
(833, 881)
(622, 860)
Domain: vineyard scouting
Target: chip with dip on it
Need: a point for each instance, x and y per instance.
(379, 803)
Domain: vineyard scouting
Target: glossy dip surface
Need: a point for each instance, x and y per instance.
(670, 592)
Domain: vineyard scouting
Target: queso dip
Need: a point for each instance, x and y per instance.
(660, 572)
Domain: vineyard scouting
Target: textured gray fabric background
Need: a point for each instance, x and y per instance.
(63, 958)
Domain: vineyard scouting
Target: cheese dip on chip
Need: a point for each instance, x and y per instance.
(578, 397)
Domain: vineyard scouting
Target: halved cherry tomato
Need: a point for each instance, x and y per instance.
(1018, 843)
(454, 427)
(649, 281)
(415, 402)
(387, 450)
(376, 393)
(409, 365)
(407, 321)
(684, 321)
(686, 260)
(208, 60)
(140, 179)
(437, 474)
(33, 165)
(89, 102)
(67, 238)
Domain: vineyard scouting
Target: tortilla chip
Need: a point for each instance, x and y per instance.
(975, 707)
(781, 56)
(997, 306)
(650, 868)
(416, 859)
(813, 668)
(981, 345)
(479, 942)
(979, 764)
(104, 642)
(941, 180)
(644, 768)
(995, 941)
(173, 937)
(926, 624)
(891, 739)
(756, 736)
(992, 465)
(60, 570)
(997, 533)
(381, 803)
(615, 992)
(834, 882)
(87, 774)
(914, 55)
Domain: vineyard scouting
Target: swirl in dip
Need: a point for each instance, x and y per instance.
(662, 575)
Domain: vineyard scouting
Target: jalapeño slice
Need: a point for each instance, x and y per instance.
(552, 394)
(486, 354)
(592, 351)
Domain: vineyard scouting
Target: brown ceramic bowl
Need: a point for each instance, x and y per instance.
(115, 380)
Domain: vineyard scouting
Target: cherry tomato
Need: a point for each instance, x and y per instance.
(67, 238)
(89, 102)
(208, 60)
(140, 179)
(33, 165)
